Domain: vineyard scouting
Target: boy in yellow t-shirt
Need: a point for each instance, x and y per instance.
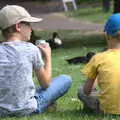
(105, 67)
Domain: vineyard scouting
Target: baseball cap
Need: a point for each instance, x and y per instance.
(13, 14)
(113, 24)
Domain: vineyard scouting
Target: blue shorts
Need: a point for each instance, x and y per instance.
(58, 87)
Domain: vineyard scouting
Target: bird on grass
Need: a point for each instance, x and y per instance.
(55, 41)
(81, 59)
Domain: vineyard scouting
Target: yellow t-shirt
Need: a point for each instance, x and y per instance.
(106, 66)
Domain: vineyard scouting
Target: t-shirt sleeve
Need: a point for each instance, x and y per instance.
(90, 70)
(37, 60)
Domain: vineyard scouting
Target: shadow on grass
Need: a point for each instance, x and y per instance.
(77, 38)
(85, 41)
(78, 114)
(66, 115)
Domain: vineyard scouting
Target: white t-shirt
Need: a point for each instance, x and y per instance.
(17, 61)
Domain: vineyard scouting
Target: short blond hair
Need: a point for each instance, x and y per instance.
(116, 36)
(8, 32)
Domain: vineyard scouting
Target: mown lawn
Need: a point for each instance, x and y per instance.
(76, 43)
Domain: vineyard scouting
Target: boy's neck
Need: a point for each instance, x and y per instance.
(115, 47)
(114, 44)
(14, 38)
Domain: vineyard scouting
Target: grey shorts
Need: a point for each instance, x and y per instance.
(91, 102)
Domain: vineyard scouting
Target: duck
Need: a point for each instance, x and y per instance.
(81, 59)
(55, 41)
(34, 37)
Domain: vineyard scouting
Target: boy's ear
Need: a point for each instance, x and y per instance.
(18, 28)
(107, 37)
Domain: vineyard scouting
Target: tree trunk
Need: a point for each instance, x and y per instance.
(106, 5)
(116, 6)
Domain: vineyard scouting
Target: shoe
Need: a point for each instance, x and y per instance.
(52, 107)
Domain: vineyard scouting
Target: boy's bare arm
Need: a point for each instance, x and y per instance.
(44, 74)
(89, 85)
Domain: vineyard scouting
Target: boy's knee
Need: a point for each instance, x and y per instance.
(67, 80)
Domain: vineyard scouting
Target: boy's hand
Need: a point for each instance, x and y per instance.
(46, 50)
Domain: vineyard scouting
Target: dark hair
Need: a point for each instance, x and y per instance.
(8, 32)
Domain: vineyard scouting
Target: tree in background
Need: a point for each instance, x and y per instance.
(106, 5)
(116, 6)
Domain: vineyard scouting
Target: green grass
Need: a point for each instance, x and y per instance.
(76, 43)
(88, 1)
(91, 12)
